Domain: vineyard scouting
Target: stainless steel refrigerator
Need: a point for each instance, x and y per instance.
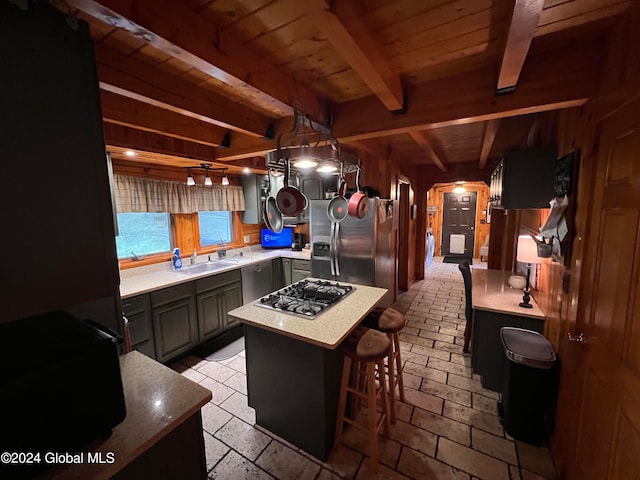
(356, 250)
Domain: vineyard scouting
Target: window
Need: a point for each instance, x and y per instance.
(143, 233)
(215, 228)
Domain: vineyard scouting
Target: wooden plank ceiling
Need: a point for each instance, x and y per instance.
(437, 82)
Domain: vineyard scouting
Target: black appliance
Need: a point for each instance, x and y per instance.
(60, 387)
(306, 298)
(298, 241)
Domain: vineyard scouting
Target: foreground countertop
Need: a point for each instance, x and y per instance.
(490, 291)
(137, 281)
(157, 400)
(328, 329)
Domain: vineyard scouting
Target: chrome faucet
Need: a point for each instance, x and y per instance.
(223, 249)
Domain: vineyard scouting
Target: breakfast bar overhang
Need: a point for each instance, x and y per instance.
(294, 367)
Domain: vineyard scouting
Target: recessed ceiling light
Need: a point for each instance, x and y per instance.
(130, 153)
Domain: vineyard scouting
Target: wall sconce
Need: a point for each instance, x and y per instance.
(527, 253)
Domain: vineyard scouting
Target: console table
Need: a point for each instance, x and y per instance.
(495, 305)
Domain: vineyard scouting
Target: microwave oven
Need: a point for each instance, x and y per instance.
(60, 387)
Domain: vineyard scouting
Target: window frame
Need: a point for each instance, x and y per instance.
(185, 232)
(171, 239)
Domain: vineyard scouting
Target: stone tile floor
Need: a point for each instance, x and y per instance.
(447, 428)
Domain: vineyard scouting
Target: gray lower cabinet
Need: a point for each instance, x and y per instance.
(138, 312)
(300, 269)
(487, 353)
(215, 296)
(175, 324)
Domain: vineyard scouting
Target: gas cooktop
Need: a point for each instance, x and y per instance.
(306, 298)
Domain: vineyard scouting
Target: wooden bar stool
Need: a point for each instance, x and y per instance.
(368, 348)
(390, 321)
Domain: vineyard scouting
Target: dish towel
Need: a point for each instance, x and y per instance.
(456, 243)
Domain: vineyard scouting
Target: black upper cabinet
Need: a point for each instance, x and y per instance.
(58, 243)
(524, 179)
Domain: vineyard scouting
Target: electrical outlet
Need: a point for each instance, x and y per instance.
(247, 239)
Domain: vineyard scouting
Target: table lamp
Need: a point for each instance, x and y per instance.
(527, 253)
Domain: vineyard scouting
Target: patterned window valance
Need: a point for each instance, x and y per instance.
(139, 194)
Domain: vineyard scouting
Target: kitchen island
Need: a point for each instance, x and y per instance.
(294, 367)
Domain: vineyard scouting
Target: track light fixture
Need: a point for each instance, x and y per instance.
(207, 179)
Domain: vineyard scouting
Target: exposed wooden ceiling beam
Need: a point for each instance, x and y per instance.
(429, 175)
(426, 142)
(464, 98)
(119, 137)
(139, 81)
(470, 97)
(207, 49)
(490, 131)
(131, 113)
(524, 21)
(244, 147)
(341, 23)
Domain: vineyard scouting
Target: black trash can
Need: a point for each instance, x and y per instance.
(528, 383)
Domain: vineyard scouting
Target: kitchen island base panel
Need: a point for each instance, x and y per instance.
(293, 387)
(179, 455)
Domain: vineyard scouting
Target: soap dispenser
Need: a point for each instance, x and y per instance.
(177, 261)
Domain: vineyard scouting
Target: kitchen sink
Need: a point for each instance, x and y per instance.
(203, 267)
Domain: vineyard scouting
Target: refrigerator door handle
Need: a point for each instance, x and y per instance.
(336, 234)
(331, 248)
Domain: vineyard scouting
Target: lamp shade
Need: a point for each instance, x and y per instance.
(527, 250)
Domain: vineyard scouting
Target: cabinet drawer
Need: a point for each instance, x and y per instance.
(217, 280)
(170, 294)
(135, 304)
(301, 264)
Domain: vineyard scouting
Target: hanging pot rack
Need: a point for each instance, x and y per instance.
(295, 146)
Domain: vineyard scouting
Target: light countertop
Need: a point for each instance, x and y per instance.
(136, 281)
(490, 291)
(328, 329)
(157, 399)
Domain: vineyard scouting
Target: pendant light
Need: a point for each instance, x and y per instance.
(190, 181)
(225, 179)
(207, 179)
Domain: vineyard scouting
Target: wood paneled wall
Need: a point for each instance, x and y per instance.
(434, 221)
